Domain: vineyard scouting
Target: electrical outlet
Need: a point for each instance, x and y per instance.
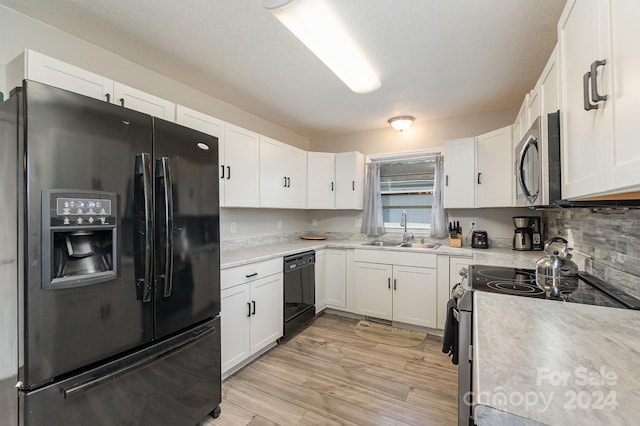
(279, 224)
(314, 222)
(233, 227)
(473, 224)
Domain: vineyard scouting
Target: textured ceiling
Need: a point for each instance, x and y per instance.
(435, 58)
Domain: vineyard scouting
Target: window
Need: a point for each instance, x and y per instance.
(407, 186)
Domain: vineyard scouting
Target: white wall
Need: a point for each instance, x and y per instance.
(261, 222)
(19, 32)
(422, 135)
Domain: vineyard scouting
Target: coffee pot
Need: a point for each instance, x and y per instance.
(523, 235)
(556, 273)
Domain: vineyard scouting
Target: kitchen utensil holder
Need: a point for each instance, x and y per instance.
(456, 242)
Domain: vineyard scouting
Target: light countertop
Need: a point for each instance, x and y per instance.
(492, 256)
(554, 363)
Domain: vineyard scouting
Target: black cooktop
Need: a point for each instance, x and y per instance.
(522, 282)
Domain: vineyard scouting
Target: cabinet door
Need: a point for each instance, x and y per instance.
(373, 287)
(521, 125)
(549, 88)
(459, 171)
(273, 179)
(533, 104)
(415, 295)
(267, 311)
(38, 67)
(296, 172)
(336, 279)
(582, 131)
(235, 317)
(144, 102)
(349, 180)
(624, 68)
(242, 164)
(321, 280)
(494, 169)
(321, 173)
(206, 124)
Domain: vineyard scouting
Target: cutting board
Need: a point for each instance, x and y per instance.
(313, 237)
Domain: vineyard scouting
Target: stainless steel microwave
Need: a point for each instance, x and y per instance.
(537, 156)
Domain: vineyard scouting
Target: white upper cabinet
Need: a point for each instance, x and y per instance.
(138, 100)
(533, 105)
(550, 85)
(44, 69)
(321, 173)
(459, 173)
(335, 181)
(600, 97)
(283, 175)
(494, 169)
(521, 125)
(35, 66)
(241, 167)
(350, 180)
(205, 124)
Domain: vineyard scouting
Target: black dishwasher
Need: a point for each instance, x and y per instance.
(299, 291)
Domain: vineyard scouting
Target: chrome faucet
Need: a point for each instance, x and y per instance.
(403, 222)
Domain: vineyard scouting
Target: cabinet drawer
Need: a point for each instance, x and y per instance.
(246, 273)
(390, 257)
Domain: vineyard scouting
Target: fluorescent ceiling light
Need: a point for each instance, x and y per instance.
(317, 27)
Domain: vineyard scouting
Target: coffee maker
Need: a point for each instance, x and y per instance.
(537, 240)
(523, 234)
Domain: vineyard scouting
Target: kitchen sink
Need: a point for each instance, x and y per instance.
(420, 245)
(377, 243)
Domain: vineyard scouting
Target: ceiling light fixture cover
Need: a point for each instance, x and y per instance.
(318, 28)
(401, 122)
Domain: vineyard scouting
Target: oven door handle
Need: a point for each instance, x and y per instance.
(456, 314)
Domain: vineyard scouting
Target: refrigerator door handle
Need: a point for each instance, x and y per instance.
(143, 272)
(165, 174)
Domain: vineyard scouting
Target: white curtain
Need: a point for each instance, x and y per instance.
(438, 213)
(372, 221)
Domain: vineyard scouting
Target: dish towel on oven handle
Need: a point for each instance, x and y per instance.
(450, 337)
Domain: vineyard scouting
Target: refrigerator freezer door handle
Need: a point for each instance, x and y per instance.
(143, 273)
(165, 171)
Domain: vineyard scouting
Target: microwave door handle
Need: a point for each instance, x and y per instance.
(531, 142)
(142, 242)
(165, 174)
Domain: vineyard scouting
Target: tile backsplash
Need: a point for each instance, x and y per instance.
(609, 238)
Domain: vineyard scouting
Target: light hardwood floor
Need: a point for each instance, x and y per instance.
(326, 375)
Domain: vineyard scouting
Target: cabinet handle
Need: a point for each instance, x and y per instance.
(389, 283)
(121, 101)
(249, 307)
(585, 92)
(253, 302)
(288, 182)
(255, 274)
(394, 283)
(228, 172)
(285, 182)
(446, 180)
(479, 174)
(595, 97)
(222, 169)
(108, 96)
(353, 185)
(331, 186)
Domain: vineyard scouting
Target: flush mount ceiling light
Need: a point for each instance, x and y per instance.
(317, 27)
(401, 122)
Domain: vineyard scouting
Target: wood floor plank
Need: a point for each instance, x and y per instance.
(327, 375)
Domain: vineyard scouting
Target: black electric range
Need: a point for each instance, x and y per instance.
(522, 282)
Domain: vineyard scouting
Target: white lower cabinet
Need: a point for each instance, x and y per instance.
(251, 312)
(396, 292)
(336, 276)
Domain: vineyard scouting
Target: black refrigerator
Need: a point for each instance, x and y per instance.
(111, 264)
